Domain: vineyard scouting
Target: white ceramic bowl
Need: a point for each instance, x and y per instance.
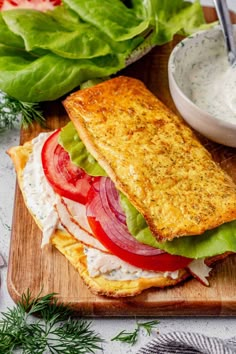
(180, 64)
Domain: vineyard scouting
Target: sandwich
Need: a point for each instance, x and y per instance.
(127, 193)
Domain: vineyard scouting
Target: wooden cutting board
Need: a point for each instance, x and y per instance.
(30, 267)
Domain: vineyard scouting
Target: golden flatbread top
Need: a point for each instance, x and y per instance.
(153, 158)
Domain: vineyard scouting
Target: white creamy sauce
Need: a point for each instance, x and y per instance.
(113, 268)
(212, 83)
(39, 195)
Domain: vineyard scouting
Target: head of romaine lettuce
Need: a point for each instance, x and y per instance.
(212, 242)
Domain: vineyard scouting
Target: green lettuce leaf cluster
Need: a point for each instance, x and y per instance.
(79, 155)
(212, 242)
(46, 55)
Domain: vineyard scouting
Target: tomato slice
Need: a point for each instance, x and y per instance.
(66, 178)
(40, 5)
(131, 250)
(162, 262)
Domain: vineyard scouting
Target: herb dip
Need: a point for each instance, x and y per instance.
(212, 84)
(39, 195)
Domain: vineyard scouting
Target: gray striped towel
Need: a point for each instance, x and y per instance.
(189, 343)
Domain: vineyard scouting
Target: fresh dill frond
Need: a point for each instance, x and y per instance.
(30, 113)
(127, 337)
(13, 111)
(132, 337)
(54, 332)
(148, 326)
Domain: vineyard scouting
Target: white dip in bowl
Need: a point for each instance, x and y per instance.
(203, 85)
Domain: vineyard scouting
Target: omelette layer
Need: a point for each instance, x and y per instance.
(73, 250)
(153, 158)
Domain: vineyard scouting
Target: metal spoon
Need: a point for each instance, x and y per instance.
(227, 28)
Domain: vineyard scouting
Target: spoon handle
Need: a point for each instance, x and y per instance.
(227, 28)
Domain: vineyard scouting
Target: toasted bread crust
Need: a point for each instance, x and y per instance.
(153, 158)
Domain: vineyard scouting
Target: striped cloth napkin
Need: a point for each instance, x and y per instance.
(189, 343)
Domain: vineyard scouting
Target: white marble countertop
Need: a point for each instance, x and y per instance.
(108, 328)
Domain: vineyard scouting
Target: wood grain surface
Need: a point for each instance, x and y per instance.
(36, 269)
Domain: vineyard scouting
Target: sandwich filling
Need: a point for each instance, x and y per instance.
(56, 212)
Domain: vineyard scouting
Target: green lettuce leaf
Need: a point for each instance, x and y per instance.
(49, 76)
(175, 16)
(124, 25)
(79, 155)
(212, 242)
(8, 37)
(71, 38)
(84, 40)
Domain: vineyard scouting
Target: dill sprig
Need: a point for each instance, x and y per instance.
(54, 332)
(132, 337)
(127, 337)
(13, 111)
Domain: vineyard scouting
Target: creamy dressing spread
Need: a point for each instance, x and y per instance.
(39, 195)
(212, 83)
(113, 268)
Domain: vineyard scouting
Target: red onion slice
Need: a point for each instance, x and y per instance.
(113, 199)
(112, 219)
